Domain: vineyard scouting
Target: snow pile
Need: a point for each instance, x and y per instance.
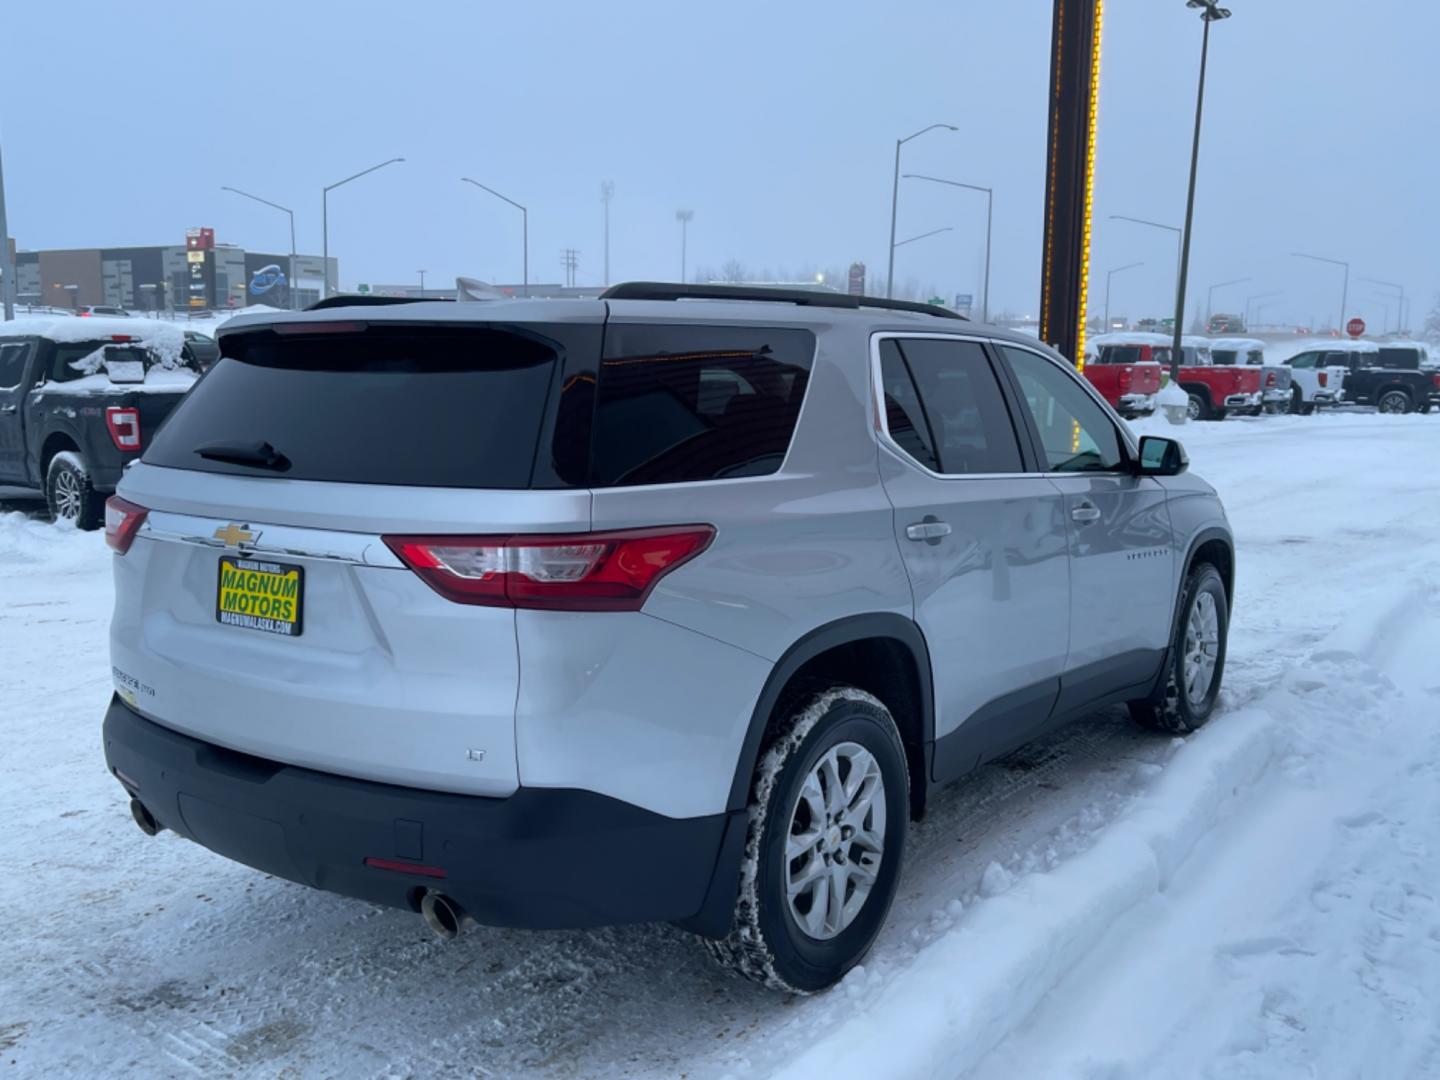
(164, 339)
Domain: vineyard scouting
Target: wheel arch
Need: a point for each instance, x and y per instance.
(55, 442)
(883, 653)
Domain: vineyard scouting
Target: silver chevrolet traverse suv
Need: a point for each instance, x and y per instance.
(677, 605)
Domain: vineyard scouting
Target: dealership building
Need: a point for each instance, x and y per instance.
(198, 274)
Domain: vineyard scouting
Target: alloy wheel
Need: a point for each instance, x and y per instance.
(1202, 647)
(67, 495)
(836, 841)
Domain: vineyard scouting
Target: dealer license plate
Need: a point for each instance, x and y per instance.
(259, 595)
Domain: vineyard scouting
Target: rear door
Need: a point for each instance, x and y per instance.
(983, 538)
(14, 357)
(1122, 545)
(261, 607)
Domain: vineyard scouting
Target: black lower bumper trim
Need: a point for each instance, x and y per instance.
(543, 858)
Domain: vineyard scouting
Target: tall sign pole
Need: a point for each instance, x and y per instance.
(1070, 175)
(7, 261)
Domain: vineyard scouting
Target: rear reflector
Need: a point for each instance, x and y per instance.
(404, 867)
(124, 424)
(122, 521)
(612, 571)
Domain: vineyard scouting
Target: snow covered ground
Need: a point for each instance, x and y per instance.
(1258, 900)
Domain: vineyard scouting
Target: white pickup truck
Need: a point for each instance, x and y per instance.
(1313, 383)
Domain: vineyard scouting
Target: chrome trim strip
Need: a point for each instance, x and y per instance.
(358, 549)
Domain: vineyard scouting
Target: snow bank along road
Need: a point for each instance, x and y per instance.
(1256, 900)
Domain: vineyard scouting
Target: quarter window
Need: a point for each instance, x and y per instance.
(677, 404)
(1076, 433)
(943, 406)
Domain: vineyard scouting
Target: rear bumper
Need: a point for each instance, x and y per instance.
(1243, 401)
(542, 858)
(1136, 405)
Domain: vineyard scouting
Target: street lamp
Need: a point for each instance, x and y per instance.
(325, 215)
(684, 217)
(989, 222)
(1258, 296)
(1109, 275)
(1400, 315)
(607, 192)
(524, 227)
(286, 209)
(422, 283)
(895, 202)
(1210, 297)
(1209, 12)
(1345, 291)
(1179, 237)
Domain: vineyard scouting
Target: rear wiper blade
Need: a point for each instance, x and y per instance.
(261, 455)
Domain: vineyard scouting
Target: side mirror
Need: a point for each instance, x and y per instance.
(1161, 457)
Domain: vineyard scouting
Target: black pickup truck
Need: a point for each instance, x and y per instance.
(79, 399)
(1391, 380)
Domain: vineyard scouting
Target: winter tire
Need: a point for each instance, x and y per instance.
(69, 492)
(1394, 402)
(1195, 663)
(1198, 408)
(829, 809)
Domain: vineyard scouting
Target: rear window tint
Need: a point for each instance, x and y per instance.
(1400, 358)
(1119, 354)
(677, 404)
(408, 406)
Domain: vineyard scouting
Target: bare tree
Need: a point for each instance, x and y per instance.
(1432, 324)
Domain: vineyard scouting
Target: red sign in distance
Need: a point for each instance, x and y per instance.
(1355, 327)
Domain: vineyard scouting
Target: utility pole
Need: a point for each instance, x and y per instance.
(570, 259)
(607, 192)
(7, 264)
(684, 217)
(422, 284)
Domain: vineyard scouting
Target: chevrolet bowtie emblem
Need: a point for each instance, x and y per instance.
(233, 535)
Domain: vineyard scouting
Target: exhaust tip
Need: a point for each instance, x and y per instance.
(146, 820)
(442, 915)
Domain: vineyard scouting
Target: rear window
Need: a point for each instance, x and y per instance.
(677, 404)
(1120, 354)
(1400, 358)
(413, 406)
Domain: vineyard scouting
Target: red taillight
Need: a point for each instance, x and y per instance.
(612, 571)
(122, 521)
(1270, 378)
(1126, 375)
(121, 337)
(1436, 379)
(319, 327)
(1324, 378)
(124, 424)
(404, 867)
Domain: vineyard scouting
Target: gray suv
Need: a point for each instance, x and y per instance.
(674, 605)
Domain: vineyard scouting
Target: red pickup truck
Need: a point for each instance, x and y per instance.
(1213, 389)
(1127, 373)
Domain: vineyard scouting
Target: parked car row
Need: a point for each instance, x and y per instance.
(1226, 376)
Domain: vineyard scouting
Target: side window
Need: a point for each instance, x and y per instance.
(1305, 361)
(12, 363)
(676, 404)
(904, 418)
(1077, 434)
(960, 399)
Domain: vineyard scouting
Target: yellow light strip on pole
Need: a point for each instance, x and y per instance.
(1093, 122)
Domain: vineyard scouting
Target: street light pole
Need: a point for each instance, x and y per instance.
(1345, 289)
(989, 223)
(294, 298)
(684, 217)
(1399, 315)
(1210, 296)
(325, 216)
(1179, 237)
(524, 229)
(422, 284)
(7, 264)
(1109, 276)
(1209, 12)
(1251, 299)
(895, 202)
(607, 192)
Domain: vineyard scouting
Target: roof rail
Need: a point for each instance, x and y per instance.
(371, 300)
(664, 290)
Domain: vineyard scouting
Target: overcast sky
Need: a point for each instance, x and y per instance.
(775, 123)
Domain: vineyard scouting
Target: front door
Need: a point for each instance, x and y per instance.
(13, 355)
(1122, 546)
(984, 543)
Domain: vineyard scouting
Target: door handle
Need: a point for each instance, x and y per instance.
(1085, 513)
(930, 530)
